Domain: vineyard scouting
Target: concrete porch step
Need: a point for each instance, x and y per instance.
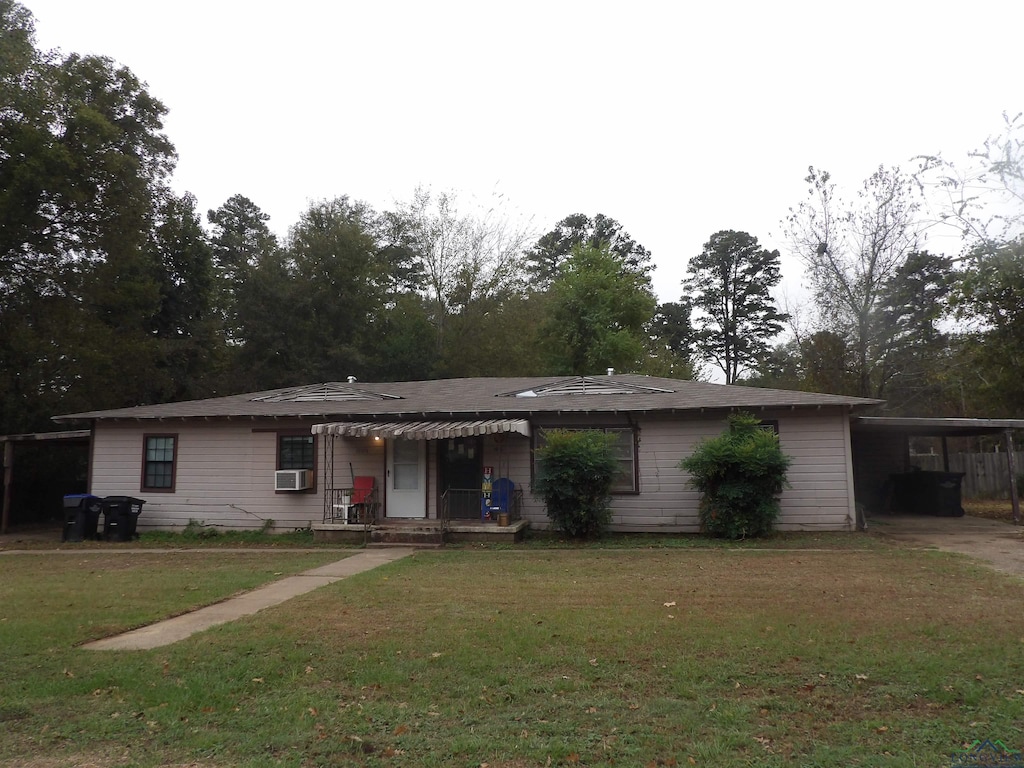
(405, 535)
(425, 533)
(400, 545)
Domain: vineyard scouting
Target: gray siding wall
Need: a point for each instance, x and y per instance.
(224, 475)
(820, 496)
(225, 472)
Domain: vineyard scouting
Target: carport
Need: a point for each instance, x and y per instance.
(881, 449)
(7, 443)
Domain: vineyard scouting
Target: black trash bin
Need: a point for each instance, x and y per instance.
(120, 516)
(929, 493)
(81, 517)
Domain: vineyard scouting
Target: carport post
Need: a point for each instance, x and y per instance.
(5, 512)
(1011, 462)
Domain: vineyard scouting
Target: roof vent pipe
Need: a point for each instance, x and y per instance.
(351, 379)
(611, 371)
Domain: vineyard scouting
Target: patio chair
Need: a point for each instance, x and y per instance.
(364, 500)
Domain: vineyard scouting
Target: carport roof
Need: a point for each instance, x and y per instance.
(925, 427)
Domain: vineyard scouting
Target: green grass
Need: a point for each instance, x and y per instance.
(191, 537)
(726, 657)
(536, 539)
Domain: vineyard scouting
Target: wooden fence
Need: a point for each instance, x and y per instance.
(985, 474)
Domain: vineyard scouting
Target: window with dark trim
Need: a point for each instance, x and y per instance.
(625, 453)
(295, 451)
(159, 462)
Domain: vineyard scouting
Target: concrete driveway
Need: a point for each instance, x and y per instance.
(999, 544)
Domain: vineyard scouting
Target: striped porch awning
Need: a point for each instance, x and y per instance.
(423, 430)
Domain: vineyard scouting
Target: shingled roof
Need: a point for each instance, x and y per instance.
(476, 397)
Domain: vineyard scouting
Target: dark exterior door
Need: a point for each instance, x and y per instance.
(461, 469)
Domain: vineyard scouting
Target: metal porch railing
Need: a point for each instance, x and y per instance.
(466, 504)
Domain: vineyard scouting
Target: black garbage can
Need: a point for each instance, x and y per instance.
(81, 517)
(120, 517)
(929, 493)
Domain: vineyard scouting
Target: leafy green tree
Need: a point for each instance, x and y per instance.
(546, 259)
(989, 299)
(186, 323)
(672, 337)
(467, 265)
(730, 282)
(576, 472)
(740, 475)
(340, 286)
(818, 362)
(910, 349)
(599, 314)
(913, 348)
(851, 252)
(397, 238)
(241, 241)
(270, 317)
(404, 350)
(84, 165)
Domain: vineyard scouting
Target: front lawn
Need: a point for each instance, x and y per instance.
(727, 657)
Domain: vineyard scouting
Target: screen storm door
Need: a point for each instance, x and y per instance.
(407, 479)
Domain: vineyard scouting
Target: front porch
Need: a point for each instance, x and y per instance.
(427, 533)
(423, 482)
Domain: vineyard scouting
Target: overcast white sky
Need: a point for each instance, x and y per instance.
(678, 119)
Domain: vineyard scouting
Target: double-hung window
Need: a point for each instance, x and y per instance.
(625, 454)
(159, 462)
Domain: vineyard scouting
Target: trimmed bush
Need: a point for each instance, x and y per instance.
(740, 475)
(575, 477)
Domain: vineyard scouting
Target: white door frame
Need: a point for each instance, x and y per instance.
(409, 498)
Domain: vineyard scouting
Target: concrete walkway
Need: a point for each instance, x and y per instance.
(180, 627)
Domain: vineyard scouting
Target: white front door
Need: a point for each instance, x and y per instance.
(407, 478)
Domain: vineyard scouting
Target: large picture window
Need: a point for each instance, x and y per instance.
(159, 462)
(625, 454)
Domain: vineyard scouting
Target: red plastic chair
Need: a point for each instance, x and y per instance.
(362, 488)
(364, 499)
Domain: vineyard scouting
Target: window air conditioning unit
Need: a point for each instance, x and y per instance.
(293, 479)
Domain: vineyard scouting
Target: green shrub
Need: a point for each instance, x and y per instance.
(575, 477)
(740, 475)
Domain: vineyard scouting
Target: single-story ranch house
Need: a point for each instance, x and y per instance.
(457, 451)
